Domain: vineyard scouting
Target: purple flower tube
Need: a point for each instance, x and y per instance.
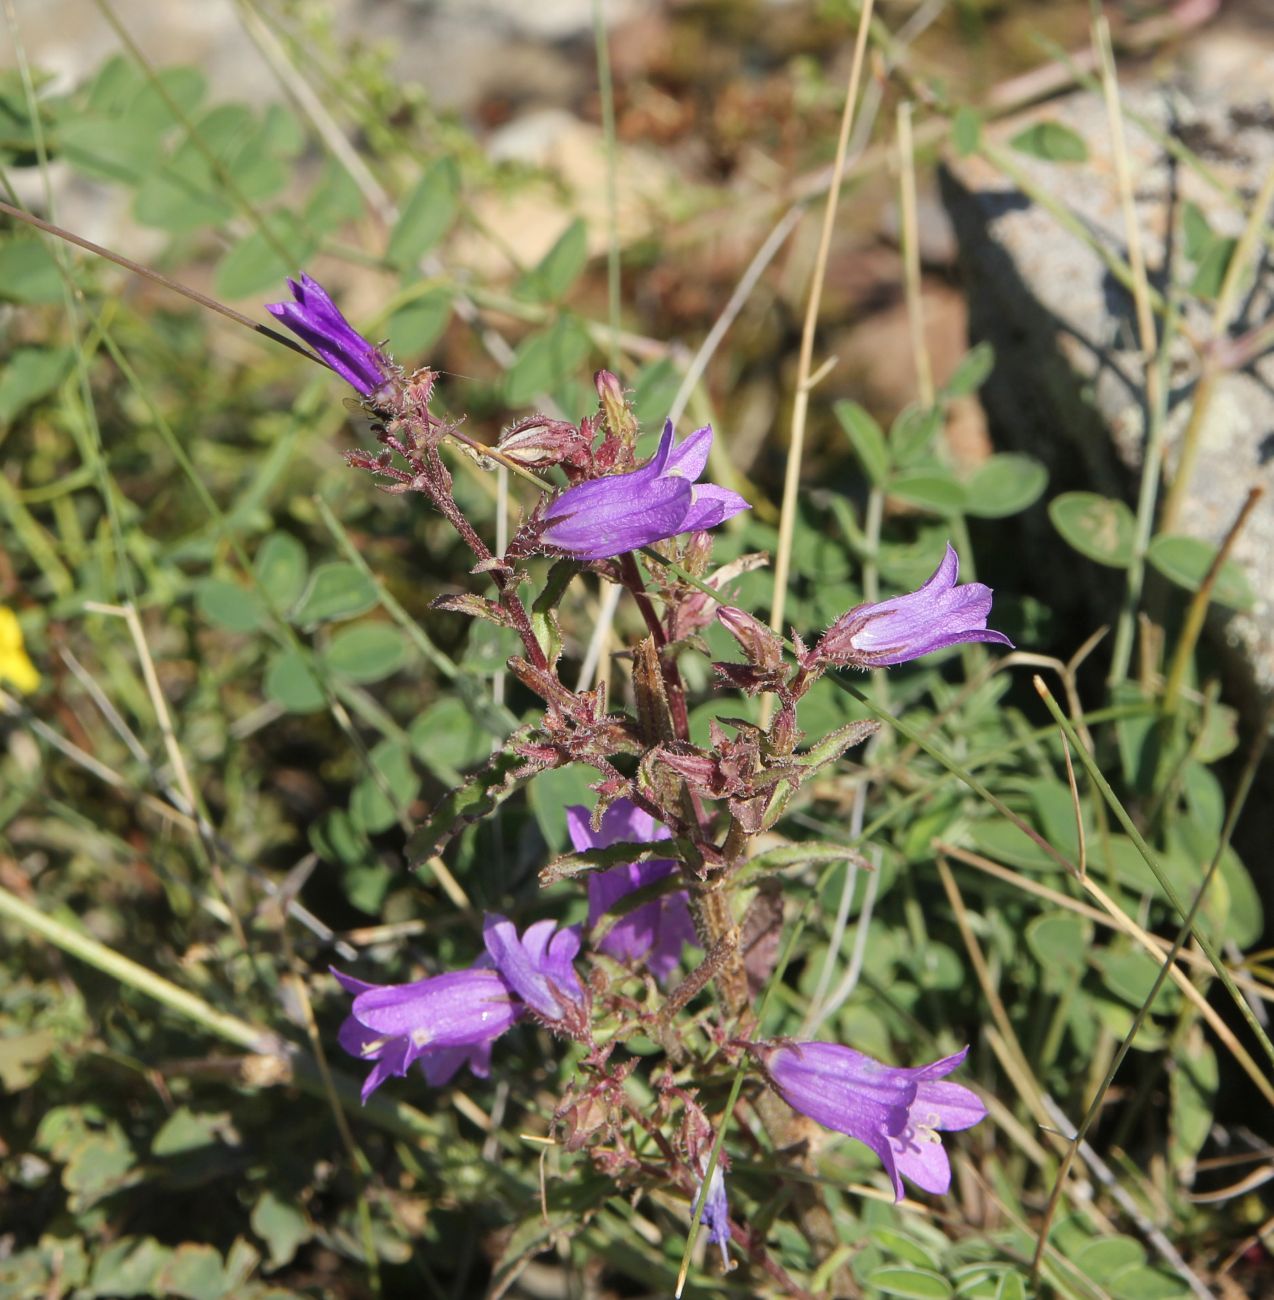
(897, 1112)
(316, 319)
(934, 616)
(605, 517)
(656, 930)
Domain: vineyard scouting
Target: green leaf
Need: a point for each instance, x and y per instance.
(229, 605)
(281, 1226)
(654, 389)
(448, 733)
(1130, 975)
(1147, 1283)
(546, 358)
(867, 439)
(913, 432)
(559, 268)
(371, 809)
(1002, 840)
(1104, 1259)
(551, 793)
(1186, 560)
(336, 590)
(419, 324)
(1099, 527)
(1192, 1087)
(1005, 484)
(912, 1283)
(480, 795)
(1052, 142)
(265, 258)
(292, 683)
(187, 1130)
(366, 652)
(128, 1267)
(29, 271)
(334, 200)
(427, 215)
(1011, 1287)
(966, 131)
(932, 490)
(280, 567)
(972, 372)
(1209, 275)
(904, 1247)
(1059, 942)
(194, 1272)
(28, 375)
(1198, 234)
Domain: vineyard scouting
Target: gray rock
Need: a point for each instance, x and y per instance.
(1069, 381)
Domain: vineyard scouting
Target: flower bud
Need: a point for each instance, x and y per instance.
(539, 442)
(762, 647)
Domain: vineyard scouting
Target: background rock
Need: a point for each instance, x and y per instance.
(1069, 380)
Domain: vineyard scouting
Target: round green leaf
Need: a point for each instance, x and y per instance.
(228, 605)
(913, 1283)
(930, 490)
(447, 733)
(1059, 941)
(280, 566)
(1004, 485)
(367, 652)
(1096, 526)
(336, 590)
(1052, 142)
(370, 807)
(1186, 560)
(281, 1226)
(290, 682)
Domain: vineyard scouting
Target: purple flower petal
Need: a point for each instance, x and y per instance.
(934, 616)
(538, 965)
(456, 1009)
(315, 318)
(656, 931)
(897, 1112)
(605, 517)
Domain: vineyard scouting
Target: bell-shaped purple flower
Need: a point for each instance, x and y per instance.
(716, 1213)
(656, 930)
(443, 1022)
(935, 616)
(537, 966)
(897, 1112)
(605, 517)
(314, 317)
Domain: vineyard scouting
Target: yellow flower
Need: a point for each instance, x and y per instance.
(15, 666)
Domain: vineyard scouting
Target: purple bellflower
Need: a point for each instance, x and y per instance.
(935, 616)
(452, 1019)
(897, 1112)
(443, 1022)
(538, 965)
(716, 1213)
(655, 930)
(604, 517)
(315, 318)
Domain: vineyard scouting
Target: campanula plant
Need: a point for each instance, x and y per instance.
(674, 824)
